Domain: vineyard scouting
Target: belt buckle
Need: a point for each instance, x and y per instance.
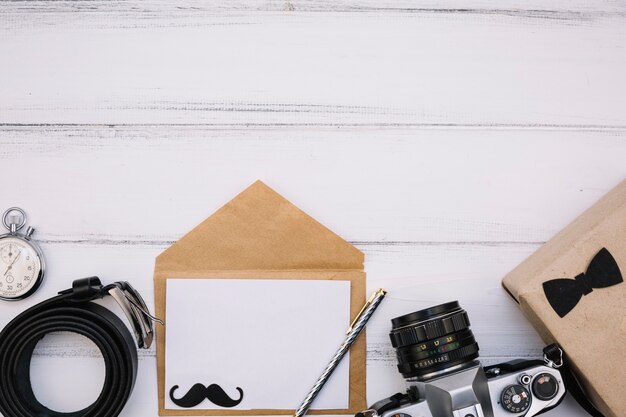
(135, 309)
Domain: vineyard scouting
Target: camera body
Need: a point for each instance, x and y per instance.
(505, 390)
(438, 357)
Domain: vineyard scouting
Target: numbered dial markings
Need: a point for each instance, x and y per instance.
(515, 399)
(19, 267)
(9, 252)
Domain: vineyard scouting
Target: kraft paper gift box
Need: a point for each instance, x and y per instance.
(259, 234)
(585, 314)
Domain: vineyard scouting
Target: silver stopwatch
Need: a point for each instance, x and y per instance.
(22, 264)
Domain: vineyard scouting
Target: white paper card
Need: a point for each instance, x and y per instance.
(271, 338)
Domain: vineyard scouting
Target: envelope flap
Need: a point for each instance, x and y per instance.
(260, 229)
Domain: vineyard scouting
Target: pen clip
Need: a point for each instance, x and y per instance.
(369, 301)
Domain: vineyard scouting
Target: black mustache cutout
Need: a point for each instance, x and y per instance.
(199, 393)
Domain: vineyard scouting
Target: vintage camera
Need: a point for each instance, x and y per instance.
(438, 358)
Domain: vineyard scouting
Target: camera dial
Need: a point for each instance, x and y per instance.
(515, 398)
(545, 387)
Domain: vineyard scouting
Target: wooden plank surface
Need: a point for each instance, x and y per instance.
(147, 62)
(369, 185)
(442, 214)
(446, 139)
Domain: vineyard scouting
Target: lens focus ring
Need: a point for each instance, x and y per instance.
(432, 329)
(449, 358)
(433, 341)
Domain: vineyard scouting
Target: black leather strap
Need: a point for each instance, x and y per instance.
(556, 355)
(70, 311)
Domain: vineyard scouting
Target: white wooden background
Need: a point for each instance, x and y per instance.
(446, 139)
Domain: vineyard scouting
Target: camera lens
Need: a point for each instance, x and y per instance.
(433, 340)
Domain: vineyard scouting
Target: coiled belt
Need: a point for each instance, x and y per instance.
(72, 311)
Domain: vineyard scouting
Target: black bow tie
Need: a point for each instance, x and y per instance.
(563, 294)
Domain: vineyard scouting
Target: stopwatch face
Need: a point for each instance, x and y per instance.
(20, 267)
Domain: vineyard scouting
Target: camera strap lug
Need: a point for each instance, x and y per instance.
(553, 356)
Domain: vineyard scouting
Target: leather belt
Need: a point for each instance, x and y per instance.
(73, 311)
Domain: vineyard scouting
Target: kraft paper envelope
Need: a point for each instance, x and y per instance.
(261, 235)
